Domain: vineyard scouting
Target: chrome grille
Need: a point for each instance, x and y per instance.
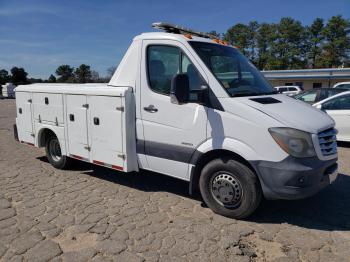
(328, 142)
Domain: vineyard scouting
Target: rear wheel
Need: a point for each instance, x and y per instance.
(54, 154)
(230, 188)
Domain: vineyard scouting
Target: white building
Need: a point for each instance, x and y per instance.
(308, 78)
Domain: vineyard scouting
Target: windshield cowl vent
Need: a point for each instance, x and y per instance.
(266, 100)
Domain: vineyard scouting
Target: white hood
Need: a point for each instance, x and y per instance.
(290, 113)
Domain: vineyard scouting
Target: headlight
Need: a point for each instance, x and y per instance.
(295, 142)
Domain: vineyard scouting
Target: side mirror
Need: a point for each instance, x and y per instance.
(180, 89)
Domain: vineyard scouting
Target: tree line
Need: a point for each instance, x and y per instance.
(64, 74)
(18, 76)
(81, 74)
(290, 45)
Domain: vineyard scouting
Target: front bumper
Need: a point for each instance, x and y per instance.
(295, 178)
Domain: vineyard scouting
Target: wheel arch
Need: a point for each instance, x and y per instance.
(45, 131)
(239, 152)
(43, 134)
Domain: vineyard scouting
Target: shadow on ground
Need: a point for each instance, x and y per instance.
(328, 210)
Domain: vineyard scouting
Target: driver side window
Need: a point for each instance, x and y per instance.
(164, 62)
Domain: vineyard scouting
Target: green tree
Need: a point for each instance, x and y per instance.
(315, 39)
(245, 38)
(83, 73)
(266, 35)
(19, 76)
(336, 44)
(238, 35)
(65, 73)
(252, 51)
(4, 76)
(290, 45)
(52, 79)
(288, 51)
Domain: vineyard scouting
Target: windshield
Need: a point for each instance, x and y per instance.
(307, 96)
(236, 74)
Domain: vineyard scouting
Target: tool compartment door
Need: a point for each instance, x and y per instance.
(106, 130)
(48, 108)
(24, 117)
(77, 126)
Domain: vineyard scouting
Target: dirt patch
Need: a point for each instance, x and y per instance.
(69, 240)
(261, 250)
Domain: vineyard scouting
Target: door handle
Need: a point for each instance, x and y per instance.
(151, 109)
(71, 117)
(96, 121)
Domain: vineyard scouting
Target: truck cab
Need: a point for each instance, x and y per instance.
(193, 107)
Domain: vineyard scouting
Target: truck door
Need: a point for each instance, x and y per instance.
(171, 132)
(105, 127)
(24, 117)
(77, 127)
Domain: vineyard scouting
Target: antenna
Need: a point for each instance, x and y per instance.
(176, 29)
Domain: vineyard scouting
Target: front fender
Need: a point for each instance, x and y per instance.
(230, 144)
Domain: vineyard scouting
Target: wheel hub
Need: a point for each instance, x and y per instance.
(226, 189)
(55, 150)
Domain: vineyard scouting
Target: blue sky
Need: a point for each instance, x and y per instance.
(41, 35)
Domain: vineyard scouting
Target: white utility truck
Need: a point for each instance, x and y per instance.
(187, 105)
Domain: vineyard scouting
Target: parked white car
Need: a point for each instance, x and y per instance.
(338, 107)
(288, 90)
(342, 85)
(183, 104)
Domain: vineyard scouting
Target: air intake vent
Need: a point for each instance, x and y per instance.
(328, 142)
(265, 100)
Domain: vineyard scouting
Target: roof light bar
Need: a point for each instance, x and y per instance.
(176, 29)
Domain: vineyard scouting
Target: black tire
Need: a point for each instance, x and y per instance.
(230, 188)
(53, 154)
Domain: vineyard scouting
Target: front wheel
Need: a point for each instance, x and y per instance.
(54, 154)
(230, 188)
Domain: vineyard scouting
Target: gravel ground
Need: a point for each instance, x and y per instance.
(93, 213)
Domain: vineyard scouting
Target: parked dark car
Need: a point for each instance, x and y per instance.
(315, 95)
